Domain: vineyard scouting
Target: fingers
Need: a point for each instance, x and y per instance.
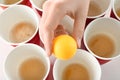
(51, 17)
(59, 31)
(48, 37)
(78, 30)
(52, 14)
(79, 24)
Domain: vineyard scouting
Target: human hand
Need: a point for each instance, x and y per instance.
(53, 13)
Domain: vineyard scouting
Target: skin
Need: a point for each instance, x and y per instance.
(53, 13)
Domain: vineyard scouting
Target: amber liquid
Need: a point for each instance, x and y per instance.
(118, 12)
(75, 72)
(94, 9)
(102, 45)
(32, 69)
(10, 1)
(22, 32)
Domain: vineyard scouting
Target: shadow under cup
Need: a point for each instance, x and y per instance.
(19, 14)
(103, 26)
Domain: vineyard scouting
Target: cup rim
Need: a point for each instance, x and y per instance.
(85, 32)
(103, 13)
(32, 45)
(79, 51)
(114, 11)
(37, 28)
(8, 5)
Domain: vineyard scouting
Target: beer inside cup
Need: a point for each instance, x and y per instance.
(98, 8)
(116, 8)
(82, 58)
(6, 3)
(20, 16)
(107, 27)
(17, 58)
(38, 4)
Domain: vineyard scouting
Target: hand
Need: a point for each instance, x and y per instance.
(53, 13)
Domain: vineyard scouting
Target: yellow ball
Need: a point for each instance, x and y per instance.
(64, 47)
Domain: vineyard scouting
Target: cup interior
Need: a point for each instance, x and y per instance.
(81, 57)
(107, 26)
(7, 3)
(14, 15)
(100, 6)
(20, 54)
